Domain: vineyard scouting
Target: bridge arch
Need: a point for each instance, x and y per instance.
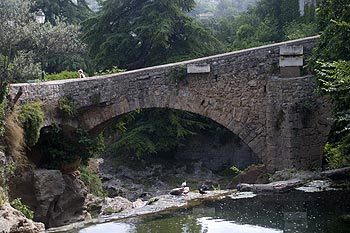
(96, 118)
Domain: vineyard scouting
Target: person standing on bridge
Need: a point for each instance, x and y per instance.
(81, 73)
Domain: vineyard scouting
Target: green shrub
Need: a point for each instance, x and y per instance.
(216, 188)
(2, 198)
(2, 119)
(9, 169)
(67, 107)
(88, 145)
(4, 90)
(61, 150)
(335, 156)
(114, 70)
(18, 205)
(31, 116)
(62, 75)
(235, 170)
(178, 74)
(92, 181)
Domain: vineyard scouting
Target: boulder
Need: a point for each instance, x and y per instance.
(138, 204)
(115, 205)
(69, 207)
(56, 199)
(337, 174)
(94, 204)
(252, 175)
(278, 186)
(48, 185)
(13, 221)
(100, 206)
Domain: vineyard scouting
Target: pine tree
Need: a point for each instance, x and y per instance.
(139, 33)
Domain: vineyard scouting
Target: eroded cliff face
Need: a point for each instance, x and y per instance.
(12, 220)
(57, 199)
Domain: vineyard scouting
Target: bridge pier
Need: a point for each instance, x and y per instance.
(296, 122)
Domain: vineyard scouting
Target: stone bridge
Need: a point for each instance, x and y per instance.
(281, 119)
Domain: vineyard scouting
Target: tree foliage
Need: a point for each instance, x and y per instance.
(15, 27)
(331, 61)
(138, 33)
(269, 21)
(334, 20)
(159, 131)
(32, 117)
(74, 14)
(60, 150)
(23, 42)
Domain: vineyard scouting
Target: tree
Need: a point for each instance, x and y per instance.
(331, 61)
(61, 45)
(15, 26)
(74, 14)
(269, 21)
(279, 13)
(139, 33)
(23, 41)
(334, 17)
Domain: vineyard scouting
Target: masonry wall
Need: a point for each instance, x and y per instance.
(298, 123)
(240, 92)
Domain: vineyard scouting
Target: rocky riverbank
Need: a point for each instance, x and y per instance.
(154, 205)
(110, 209)
(12, 220)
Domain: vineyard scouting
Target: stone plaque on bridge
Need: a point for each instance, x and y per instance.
(291, 50)
(198, 68)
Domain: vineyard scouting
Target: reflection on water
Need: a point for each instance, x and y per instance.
(221, 225)
(110, 227)
(295, 212)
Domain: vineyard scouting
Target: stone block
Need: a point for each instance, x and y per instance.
(291, 50)
(198, 68)
(290, 72)
(291, 61)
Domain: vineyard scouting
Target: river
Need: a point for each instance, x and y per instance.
(292, 212)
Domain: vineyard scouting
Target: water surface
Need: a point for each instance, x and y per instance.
(293, 212)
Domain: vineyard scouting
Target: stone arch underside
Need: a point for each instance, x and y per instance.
(95, 119)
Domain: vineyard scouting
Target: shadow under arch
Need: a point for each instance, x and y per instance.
(96, 119)
(203, 128)
(206, 156)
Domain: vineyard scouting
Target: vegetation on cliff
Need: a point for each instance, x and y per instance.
(92, 181)
(31, 117)
(67, 107)
(18, 205)
(60, 150)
